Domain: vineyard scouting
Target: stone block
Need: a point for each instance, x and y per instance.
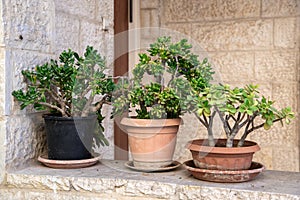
(105, 9)
(29, 24)
(92, 35)
(284, 94)
(25, 140)
(275, 65)
(278, 8)
(285, 33)
(234, 66)
(178, 30)
(286, 159)
(149, 23)
(234, 35)
(80, 8)
(67, 33)
(202, 10)
(19, 60)
(149, 4)
(188, 192)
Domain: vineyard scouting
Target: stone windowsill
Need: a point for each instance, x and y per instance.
(112, 178)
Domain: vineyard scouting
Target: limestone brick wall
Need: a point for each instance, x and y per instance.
(32, 32)
(248, 41)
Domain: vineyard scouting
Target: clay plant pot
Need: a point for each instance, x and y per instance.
(220, 157)
(151, 141)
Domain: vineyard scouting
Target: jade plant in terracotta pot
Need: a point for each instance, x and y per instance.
(155, 107)
(73, 90)
(241, 111)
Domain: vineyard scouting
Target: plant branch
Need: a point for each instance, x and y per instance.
(225, 124)
(64, 114)
(211, 140)
(202, 121)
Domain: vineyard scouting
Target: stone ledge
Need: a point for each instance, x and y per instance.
(113, 179)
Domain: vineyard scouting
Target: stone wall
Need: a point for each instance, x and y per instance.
(32, 32)
(248, 41)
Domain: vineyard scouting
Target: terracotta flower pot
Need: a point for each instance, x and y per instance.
(151, 141)
(221, 157)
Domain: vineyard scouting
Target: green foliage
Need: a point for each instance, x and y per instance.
(238, 108)
(162, 98)
(69, 86)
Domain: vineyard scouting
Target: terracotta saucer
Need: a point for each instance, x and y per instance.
(173, 165)
(224, 176)
(68, 164)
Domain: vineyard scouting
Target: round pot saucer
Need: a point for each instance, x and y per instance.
(68, 164)
(173, 165)
(224, 176)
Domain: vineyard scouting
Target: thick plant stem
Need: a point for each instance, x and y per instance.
(229, 142)
(211, 140)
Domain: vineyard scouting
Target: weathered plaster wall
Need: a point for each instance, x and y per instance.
(32, 32)
(248, 41)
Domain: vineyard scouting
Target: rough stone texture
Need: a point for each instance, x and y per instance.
(202, 10)
(29, 24)
(113, 179)
(234, 35)
(230, 62)
(149, 4)
(80, 8)
(285, 33)
(2, 148)
(149, 20)
(276, 8)
(67, 33)
(280, 65)
(27, 134)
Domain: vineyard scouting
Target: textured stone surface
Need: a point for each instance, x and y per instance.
(105, 9)
(149, 4)
(2, 148)
(67, 33)
(113, 179)
(285, 32)
(287, 158)
(185, 30)
(200, 10)
(229, 63)
(25, 139)
(81, 8)
(275, 8)
(26, 26)
(275, 65)
(234, 35)
(149, 20)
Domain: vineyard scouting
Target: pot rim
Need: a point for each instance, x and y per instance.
(196, 145)
(134, 122)
(60, 118)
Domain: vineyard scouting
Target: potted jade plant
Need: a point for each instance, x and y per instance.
(73, 90)
(241, 111)
(155, 106)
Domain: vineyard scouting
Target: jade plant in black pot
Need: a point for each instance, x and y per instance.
(73, 89)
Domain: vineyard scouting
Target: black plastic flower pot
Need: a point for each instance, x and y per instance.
(70, 138)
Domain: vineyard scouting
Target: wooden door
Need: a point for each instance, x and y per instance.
(121, 20)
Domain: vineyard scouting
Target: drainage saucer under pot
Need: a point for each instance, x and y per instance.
(173, 165)
(68, 164)
(224, 176)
